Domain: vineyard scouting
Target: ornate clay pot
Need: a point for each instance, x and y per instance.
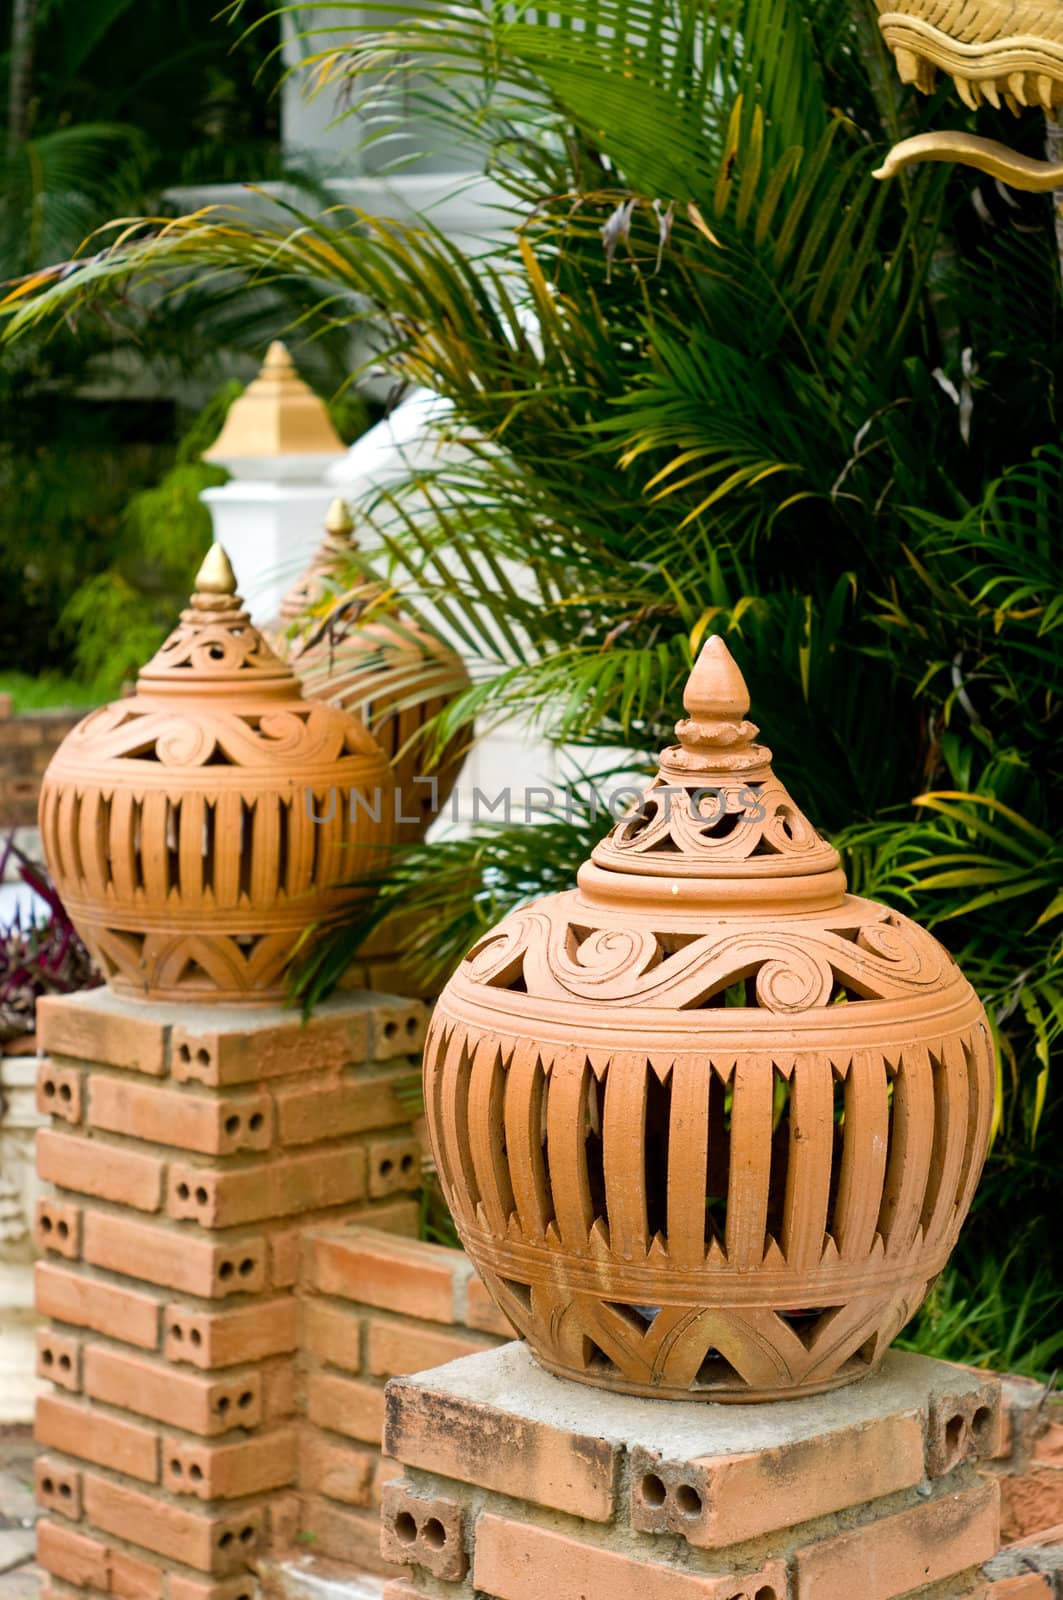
(179, 824)
(356, 650)
(708, 1124)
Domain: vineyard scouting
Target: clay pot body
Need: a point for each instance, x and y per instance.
(196, 829)
(356, 650)
(708, 1124)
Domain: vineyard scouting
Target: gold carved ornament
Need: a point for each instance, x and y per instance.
(708, 1124)
(1006, 52)
(196, 829)
(355, 649)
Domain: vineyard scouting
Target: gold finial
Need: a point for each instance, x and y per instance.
(277, 415)
(216, 575)
(338, 519)
(716, 689)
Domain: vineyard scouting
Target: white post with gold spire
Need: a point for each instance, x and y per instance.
(278, 443)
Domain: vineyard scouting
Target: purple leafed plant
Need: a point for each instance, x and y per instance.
(39, 954)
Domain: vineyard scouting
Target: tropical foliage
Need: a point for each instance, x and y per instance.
(712, 377)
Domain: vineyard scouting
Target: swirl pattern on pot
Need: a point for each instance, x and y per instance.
(709, 1124)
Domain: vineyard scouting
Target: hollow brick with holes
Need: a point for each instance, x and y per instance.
(93, 1435)
(227, 1338)
(100, 1169)
(212, 1544)
(57, 1228)
(713, 1502)
(70, 1296)
(336, 1036)
(206, 1123)
(96, 1025)
(57, 1487)
(175, 1260)
(428, 1531)
(230, 1471)
(268, 1189)
(394, 1165)
(154, 1389)
(59, 1358)
(399, 1029)
(59, 1091)
(961, 1425)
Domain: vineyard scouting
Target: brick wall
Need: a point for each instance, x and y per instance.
(189, 1150)
(27, 744)
(373, 1307)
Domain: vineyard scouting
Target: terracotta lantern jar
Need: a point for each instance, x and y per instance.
(196, 829)
(355, 649)
(708, 1124)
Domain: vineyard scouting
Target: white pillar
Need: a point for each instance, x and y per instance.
(277, 444)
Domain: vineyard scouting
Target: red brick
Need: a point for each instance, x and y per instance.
(356, 1104)
(281, 1187)
(935, 1540)
(337, 1471)
(284, 1516)
(227, 1338)
(103, 1307)
(962, 1424)
(71, 1556)
(397, 1349)
(280, 1397)
(394, 1166)
(1030, 1501)
(352, 1537)
(243, 1588)
(101, 1169)
(476, 1443)
(199, 1405)
(287, 1245)
(403, 1276)
(96, 1026)
(92, 1435)
(57, 1487)
(481, 1311)
(59, 1091)
(229, 1471)
(57, 1228)
(515, 1561)
(218, 1545)
(386, 1472)
(425, 1530)
(332, 1336)
(334, 1037)
(205, 1123)
(174, 1258)
(59, 1358)
(346, 1406)
(716, 1501)
(1024, 1586)
(134, 1579)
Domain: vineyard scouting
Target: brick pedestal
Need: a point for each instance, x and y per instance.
(521, 1486)
(190, 1149)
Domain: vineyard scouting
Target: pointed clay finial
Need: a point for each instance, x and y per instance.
(278, 358)
(338, 520)
(716, 690)
(216, 575)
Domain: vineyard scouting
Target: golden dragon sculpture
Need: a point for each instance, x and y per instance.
(1006, 52)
